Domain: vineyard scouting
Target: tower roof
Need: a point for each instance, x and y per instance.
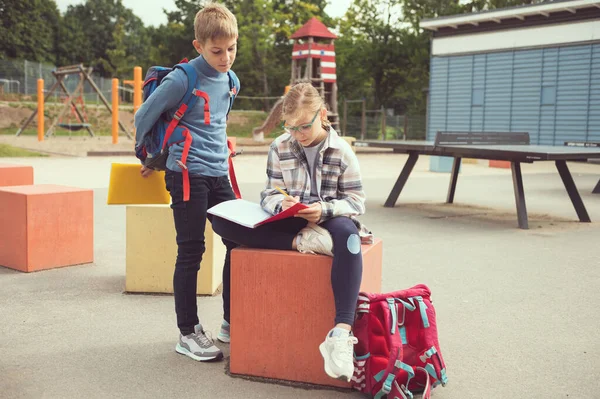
(314, 28)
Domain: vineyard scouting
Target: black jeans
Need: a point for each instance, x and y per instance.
(190, 221)
(346, 270)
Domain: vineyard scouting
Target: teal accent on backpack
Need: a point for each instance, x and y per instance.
(392, 306)
(423, 309)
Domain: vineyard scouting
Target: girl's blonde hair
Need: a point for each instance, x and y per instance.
(300, 99)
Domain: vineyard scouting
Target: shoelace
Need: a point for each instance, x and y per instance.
(345, 347)
(204, 339)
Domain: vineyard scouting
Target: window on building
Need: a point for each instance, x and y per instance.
(548, 95)
(477, 98)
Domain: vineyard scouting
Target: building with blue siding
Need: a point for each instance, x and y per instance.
(532, 69)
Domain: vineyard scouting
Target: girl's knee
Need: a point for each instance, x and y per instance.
(345, 235)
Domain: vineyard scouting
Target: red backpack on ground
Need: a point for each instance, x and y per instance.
(398, 352)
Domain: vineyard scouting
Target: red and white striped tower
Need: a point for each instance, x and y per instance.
(313, 60)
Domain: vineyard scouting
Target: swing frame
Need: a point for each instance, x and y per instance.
(69, 104)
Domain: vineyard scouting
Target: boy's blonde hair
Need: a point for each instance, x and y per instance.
(214, 22)
(302, 98)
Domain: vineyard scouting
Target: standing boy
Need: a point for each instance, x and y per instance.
(216, 34)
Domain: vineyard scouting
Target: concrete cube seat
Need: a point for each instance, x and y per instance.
(45, 226)
(282, 308)
(15, 175)
(152, 250)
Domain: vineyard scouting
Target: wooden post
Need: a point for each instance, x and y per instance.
(40, 110)
(363, 129)
(383, 127)
(345, 129)
(115, 111)
(309, 61)
(137, 88)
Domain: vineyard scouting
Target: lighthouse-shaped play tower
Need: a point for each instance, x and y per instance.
(313, 60)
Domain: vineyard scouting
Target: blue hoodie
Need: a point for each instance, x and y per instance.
(208, 154)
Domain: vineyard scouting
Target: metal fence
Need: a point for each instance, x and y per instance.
(381, 124)
(19, 77)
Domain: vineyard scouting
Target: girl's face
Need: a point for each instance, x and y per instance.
(308, 131)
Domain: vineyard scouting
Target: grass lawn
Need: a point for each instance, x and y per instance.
(7, 151)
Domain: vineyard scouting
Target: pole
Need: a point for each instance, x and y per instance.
(363, 129)
(137, 88)
(345, 131)
(40, 111)
(383, 127)
(115, 111)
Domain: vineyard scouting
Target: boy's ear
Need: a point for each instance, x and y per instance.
(197, 46)
(323, 113)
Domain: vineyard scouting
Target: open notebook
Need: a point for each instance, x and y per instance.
(250, 214)
(127, 186)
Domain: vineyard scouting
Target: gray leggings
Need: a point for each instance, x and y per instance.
(346, 270)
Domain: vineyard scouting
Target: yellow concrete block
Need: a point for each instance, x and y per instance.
(350, 140)
(469, 160)
(152, 250)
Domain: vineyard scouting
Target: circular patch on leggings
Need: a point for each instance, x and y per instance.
(353, 244)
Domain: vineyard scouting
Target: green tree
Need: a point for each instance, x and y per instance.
(28, 29)
(371, 55)
(119, 62)
(98, 20)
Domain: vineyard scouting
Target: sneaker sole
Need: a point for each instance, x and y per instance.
(224, 338)
(328, 370)
(182, 351)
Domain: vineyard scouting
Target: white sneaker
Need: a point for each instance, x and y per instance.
(315, 240)
(338, 353)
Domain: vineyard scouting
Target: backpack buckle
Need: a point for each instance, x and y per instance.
(178, 115)
(387, 384)
(181, 164)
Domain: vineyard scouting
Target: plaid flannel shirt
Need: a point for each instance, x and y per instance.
(338, 177)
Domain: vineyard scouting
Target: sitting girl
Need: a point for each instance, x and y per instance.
(317, 168)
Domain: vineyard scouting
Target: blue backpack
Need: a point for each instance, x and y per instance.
(153, 148)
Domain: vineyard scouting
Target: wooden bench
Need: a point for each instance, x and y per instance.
(282, 308)
(45, 226)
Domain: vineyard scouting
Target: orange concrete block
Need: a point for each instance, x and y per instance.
(282, 308)
(15, 175)
(45, 226)
(499, 164)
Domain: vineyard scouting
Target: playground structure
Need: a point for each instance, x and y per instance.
(72, 99)
(313, 60)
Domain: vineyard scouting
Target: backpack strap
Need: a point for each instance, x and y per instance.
(189, 100)
(427, 389)
(234, 83)
(234, 184)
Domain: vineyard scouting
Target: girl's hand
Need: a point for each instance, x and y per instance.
(312, 213)
(145, 172)
(289, 202)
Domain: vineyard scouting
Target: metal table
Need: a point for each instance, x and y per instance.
(515, 153)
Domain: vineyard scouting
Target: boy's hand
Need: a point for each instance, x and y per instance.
(312, 213)
(146, 171)
(289, 202)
